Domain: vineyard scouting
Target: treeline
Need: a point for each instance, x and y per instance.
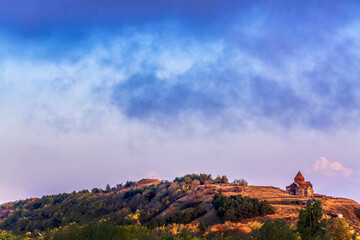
(236, 208)
(310, 226)
(202, 179)
(122, 204)
(102, 230)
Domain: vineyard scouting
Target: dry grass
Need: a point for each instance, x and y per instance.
(287, 206)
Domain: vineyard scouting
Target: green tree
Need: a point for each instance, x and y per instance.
(108, 188)
(6, 235)
(217, 179)
(132, 232)
(204, 177)
(202, 227)
(240, 182)
(310, 225)
(224, 179)
(95, 190)
(99, 231)
(275, 230)
(236, 208)
(70, 232)
(338, 229)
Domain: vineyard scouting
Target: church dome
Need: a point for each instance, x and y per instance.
(299, 178)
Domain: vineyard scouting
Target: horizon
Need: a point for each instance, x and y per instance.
(162, 180)
(101, 92)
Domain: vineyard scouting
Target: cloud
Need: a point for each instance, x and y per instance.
(140, 88)
(316, 89)
(161, 77)
(331, 168)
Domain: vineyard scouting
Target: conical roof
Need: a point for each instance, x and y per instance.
(299, 178)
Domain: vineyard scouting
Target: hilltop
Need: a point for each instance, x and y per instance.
(186, 200)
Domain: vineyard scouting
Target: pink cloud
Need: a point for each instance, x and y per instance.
(331, 168)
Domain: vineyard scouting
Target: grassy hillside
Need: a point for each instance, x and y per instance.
(187, 200)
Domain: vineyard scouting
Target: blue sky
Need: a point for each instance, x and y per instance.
(97, 92)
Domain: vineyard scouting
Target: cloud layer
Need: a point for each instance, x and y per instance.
(155, 77)
(108, 91)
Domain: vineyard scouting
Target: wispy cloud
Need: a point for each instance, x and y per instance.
(328, 168)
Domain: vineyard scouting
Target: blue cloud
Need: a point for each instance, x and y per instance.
(145, 96)
(290, 64)
(313, 88)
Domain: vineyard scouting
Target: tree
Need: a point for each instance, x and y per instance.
(275, 230)
(236, 208)
(204, 177)
(95, 190)
(6, 235)
(108, 188)
(338, 229)
(240, 182)
(202, 227)
(310, 225)
(217, 179)
(224, 179)
(99, 230)
(129, 184)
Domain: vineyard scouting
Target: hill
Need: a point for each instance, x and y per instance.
(151, 202)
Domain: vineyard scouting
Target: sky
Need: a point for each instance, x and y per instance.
(100, 92)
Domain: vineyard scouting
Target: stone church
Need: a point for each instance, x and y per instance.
(300, 188)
